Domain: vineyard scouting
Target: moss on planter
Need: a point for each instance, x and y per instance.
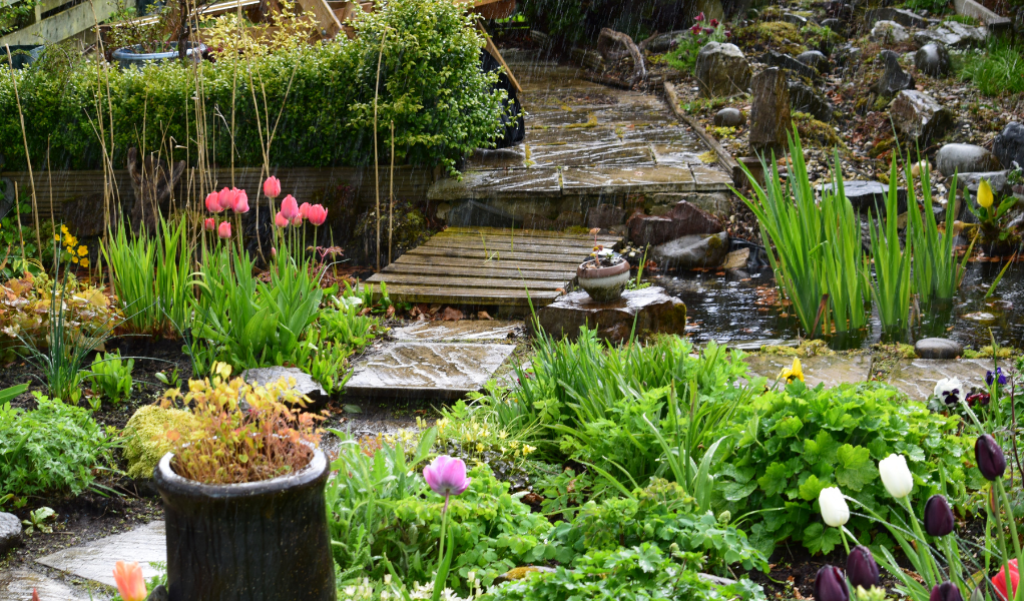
(146, 440)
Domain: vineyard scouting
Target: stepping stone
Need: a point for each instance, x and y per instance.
(426, 370)
(466, 330)
(95, 561)
(17, 585)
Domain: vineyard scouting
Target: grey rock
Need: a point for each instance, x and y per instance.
(814, 59)
(730, 117)
(938, 348)
(605, 215)
(683, 220)
(920, 117)
(952, 35)
(964, 158)
(691, 252)
(785, 61)
(650, 309)
(1009, 145)
(904, 17)
(932, 59)
(889, 32)
(996, 180)
(722, 70)
(803, 99)
(795, 19)
(304, 384)
(715, 204)
(10, 532)
(159, 594)
(837, 26)
(666, 41)
(867, 195)
(770, 119)
(846, 55)
(893, 78)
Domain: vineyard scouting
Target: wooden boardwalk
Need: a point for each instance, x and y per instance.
(488, 267)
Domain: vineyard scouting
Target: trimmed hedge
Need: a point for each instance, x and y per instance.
(443, 106)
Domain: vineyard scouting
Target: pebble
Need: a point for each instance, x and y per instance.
(730, 117)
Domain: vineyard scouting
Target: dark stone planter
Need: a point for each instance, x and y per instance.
(258, 541)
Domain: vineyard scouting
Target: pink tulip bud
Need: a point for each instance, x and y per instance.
(290, 208)
(273, 252)
(224, 230)
(272, 187)
(303, 210)
(297, 220)
(213, 203)
(130, 582)
(446, 476)
(242, 202)
(209, 224)
(316, 215)
(280, 220)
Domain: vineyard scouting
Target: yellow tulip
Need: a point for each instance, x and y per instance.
(985, 194)
(796, 372)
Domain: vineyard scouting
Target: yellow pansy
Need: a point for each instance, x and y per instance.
(82, 251)
(985, 194)
(796, 372)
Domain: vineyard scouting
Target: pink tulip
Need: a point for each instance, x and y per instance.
(130, 583)
(303, 210)
(213, 203)
(228, 198)
(714, 22)
(290, 208)
(699, 17)
(272, 187)
(280, 220)
(224, 230)
(446, 476)
(209, 224)
(297, 220)
(242, 202)
(316, 215)
(273, 252)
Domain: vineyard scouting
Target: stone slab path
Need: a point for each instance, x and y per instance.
(95, 560)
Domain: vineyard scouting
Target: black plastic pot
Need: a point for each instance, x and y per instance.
(258, 541)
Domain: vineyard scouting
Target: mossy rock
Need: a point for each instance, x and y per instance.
(807, 348)
(814, 132)
(985, 352)
(776, 35)
(145, 437)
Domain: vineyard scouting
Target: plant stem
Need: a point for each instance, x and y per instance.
(1013, 534)
(923, 550)
(1002, 545)
(444, 523)
(842, 533)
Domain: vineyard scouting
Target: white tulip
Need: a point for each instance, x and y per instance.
(834, 509)
(896, 476)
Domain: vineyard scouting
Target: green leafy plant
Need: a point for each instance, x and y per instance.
(38, 520)
(998, 70)
(936, 272)
(990, 215)
(53, 449)
(16, 259)
(704, 31)
(111, 377)
(891, 287)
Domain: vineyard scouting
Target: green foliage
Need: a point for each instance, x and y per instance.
(936, 272)
(891, 287)
(13, 263)
(792, 443)
(111, 377)
(145, 437)
(55, 448)
(998, 70)
(38, 520)
(933, 6)
(684, 57)
(431, 87)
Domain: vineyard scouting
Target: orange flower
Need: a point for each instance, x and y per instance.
(130, 583)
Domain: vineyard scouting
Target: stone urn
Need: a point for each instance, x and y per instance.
(604, 277)
(253, 541)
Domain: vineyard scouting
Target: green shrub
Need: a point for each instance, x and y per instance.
(997, 71)
(145, 437)
(53, 449)
(431, 87)
(792, 443)
(111, 377)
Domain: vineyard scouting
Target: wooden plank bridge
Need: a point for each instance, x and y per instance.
(488, 267)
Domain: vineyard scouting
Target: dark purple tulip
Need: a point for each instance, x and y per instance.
(861, 568)
(990, 458)
(938, 517)
(947, 591)
(829, 585)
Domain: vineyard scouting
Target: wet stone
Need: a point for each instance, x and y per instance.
(469, 330)
(797, 20)
(920, 117)
(426, 370)
(893, 78)
(953, 35)
(785, 61)
(1009, 144)
(605, 216)
(653, 312)
(730, 117)
(691, 252)
(10, 532)
(17, 585)
(938, 348)
(932, 59)
(904, 17)
(770, 120)
(684, 219)
(303, 383)
(722, 70)
(94, 561)
(803, 99)
(964, 158)
(868, 195)
(815, 59)
(889, 32)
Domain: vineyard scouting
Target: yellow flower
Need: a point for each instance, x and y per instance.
(74, 260)
(985, 194)
(64, 229)
(82, 251)
(796, 372)
(84, 262)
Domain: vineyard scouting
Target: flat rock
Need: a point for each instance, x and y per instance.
(469, 330)
(730, 117)
(787, 62)
(938, 348)
(920, 117)
(426, 370)
(1009, 144)
(894, 78)
(95, 560)
(815, 59)
(690, 252)
(10, 532)
(684, 219)
(17, 585)
(715, 204)
(904, 17)
(770, 118)
(722, 70)
(932, 59)
(867, 195)
(304, 383)
(889, 32)
(653, 311)
(953, 35)
(964, 158)
(803, 99)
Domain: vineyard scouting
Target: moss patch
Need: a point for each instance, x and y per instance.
(145, 437)
(776, 35)
(814, 132)
(985, 352)
(807, 348)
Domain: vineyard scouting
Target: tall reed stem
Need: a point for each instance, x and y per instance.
(28, 161)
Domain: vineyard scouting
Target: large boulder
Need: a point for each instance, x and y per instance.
(894, 79)
(964, 158)
(1009, 145)
(932, 59)
(692, 252)
(770, 119)
(10, 532)
(815, 59)
(938, 348)
(803, 99)
(722, 70)
(646, 312)
(953, 35)
(889, 32)
(919, 117)
(684, 219)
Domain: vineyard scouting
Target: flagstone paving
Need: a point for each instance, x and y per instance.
(95, 560)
